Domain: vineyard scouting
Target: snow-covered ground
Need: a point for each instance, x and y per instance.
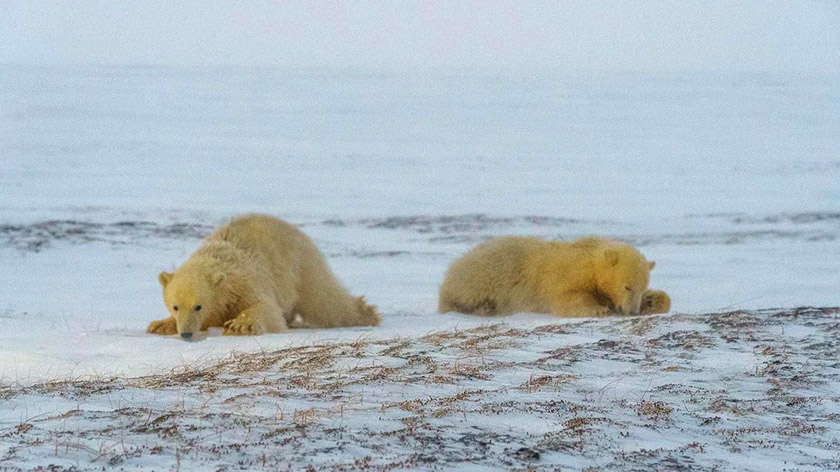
(109, 175)
(753, 391)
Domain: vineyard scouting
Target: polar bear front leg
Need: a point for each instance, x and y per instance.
(579, 305)
(165, 326)
(263, 317)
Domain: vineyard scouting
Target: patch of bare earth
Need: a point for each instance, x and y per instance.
(38, 236)
(448, 229)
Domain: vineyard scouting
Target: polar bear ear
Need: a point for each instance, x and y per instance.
(651, 265)
(611, 257)
(217, 278)
(164, 278)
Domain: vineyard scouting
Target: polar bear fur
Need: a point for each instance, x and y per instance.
(587, 277)
(255, 275)
(655, 301)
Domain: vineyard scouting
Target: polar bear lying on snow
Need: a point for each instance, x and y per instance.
(588, 277)
(255, 275)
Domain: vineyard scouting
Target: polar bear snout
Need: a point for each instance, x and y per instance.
(632, 306)
(188, 324)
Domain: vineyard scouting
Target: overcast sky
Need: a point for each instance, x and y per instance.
(795, 35)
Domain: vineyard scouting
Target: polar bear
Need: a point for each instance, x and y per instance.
(255, 275)
(587, 277)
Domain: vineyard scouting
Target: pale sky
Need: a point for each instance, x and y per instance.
(795, 35)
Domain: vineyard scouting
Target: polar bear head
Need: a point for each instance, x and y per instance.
(191, 294)
(622, 274)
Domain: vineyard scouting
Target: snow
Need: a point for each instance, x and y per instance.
(112, 174)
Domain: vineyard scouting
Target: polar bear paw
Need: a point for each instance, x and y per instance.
(165, 327)
(243, 325)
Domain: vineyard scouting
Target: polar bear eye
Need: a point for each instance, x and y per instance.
(175, 307)
(627, 287)
(198, 308)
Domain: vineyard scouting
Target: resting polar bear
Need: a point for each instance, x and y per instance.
(588, 277)
(254, 275)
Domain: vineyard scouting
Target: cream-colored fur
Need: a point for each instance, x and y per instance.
(254, 275)
(587, 277)
(655, 301)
